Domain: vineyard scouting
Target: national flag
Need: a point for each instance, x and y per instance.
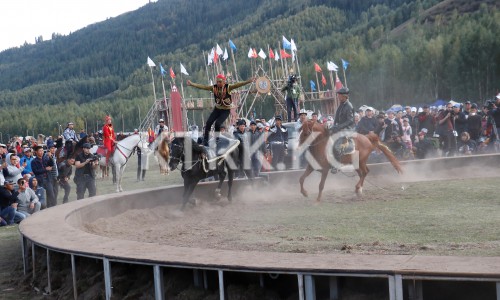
(277, 57)
(216, 57)
(225, 56)
(345, 64)
(284, 54)
(271, 53)
(332, 66)
(286, 44)
(250, 53)
(262, 54)
(219, 50)
(172, 74)
(232, 45)
(323, 79)
(317, 68)
(210, 57)
(183, 70)
(313, 86)
(254, 53)
(151, 62)
(293, 46)
(338, 83)
(162, 71)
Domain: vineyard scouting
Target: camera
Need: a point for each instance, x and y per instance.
(93, 158)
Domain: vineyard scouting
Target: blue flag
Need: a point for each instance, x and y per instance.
(286, 44)
(313, 86)
(163, 72)
(232, 45)
(345, 64)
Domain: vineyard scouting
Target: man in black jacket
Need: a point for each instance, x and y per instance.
(367, 123)
(344, 116)
(8, 204)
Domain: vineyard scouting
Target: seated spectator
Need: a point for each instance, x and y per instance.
(397, 146)
(8, 198)
(39, 191)
(466, 145)
(27, 201)
(424, 147)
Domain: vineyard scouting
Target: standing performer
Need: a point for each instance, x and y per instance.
(223, 103)
(108, 137)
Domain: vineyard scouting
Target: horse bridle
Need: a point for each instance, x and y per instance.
(181, 159)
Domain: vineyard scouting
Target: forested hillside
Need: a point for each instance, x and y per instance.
(399, 52)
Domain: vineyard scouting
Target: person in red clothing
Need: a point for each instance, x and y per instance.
(108, 137)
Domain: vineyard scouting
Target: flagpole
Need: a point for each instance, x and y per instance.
(234, 64)
(281, 58)
(317, 83)
(270, 63)
(153, 81)
(206, 65)
(345, 78)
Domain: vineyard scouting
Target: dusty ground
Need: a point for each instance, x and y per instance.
(445, 217)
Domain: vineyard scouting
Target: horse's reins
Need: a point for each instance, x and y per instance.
(184, 162)
(123, 153)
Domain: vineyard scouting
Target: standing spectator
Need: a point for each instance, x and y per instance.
(278, 142)
(85, 175)
(26, 161)
(460, 119)
(407, 133)
(367, 123)
(54, 172)
(474, 123)
(243, 154)
(393, 126)
(65, 171)
(82, 134)
(256, 138)
(160, 127)
(7, 200)
(445, 129)
(292, 90)
(71, 138)
(39, 191)
(42, 173)
(27, 201)
(413, 120)
(426, 120)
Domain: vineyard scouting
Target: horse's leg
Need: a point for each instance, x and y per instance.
(362, 172)
(188, 191)
(230, 177)
(122, 171)
(306, 173)
(117, 179)
(324, 174)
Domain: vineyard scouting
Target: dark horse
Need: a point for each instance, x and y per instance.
(195, 167)
(319, 139)
(77, 149)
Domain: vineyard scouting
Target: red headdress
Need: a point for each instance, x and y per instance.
(221, 76)
(107, 118)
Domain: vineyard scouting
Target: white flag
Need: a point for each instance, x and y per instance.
(276, 56)
(219, 50)
(183, 70)
(209, 59)
(262, 54)
(151, 62)
(331, 66)
(293, 46)
(225, 56)
(250, 53)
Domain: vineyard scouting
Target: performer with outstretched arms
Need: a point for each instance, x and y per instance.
(223, 103)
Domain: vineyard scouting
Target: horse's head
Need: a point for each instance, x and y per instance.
(176, 152)
(308, 128)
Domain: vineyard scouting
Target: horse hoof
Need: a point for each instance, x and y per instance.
(304, 193)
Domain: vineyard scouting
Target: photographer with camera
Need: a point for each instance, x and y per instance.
(446, 130)
(292, 90)
(85, 164)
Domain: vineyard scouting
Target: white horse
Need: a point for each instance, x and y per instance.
(123, 151)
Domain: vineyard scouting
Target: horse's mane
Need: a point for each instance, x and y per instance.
(163, 148)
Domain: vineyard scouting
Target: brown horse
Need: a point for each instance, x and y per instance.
(320, 142)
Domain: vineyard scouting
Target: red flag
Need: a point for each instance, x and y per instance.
(317, 67)
(284, 54)
(338, 84)
(254, 53)
(172, 74)
(271, 53)
(216, 57)
(323, 79)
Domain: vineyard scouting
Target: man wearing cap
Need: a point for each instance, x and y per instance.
(292, 90)
(423, 146)
(51, 158)
(255, 137)
(243, 154)
(445, 129)
(367, 123)
(302, 119)
(278, 143)
(70, 138)
(85, 164)
(26, 161)
(426, 120)
(160, 127)
(344, 116)
(8, 204)
(223, 103)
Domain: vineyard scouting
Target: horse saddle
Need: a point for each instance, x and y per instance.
(101, 150)
(223, 146)
(343, 146)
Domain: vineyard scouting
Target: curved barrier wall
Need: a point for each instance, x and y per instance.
(59, 229)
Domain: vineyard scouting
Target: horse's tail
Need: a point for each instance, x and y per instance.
(387, 152)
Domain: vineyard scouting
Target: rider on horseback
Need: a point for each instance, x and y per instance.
(344, 116)
(108, 137)
(70, 138)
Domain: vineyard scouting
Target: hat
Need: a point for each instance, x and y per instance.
(241, 122)
(425, 106)
(50, 144)
(260, 126)
(302, 112)
(390, 112)
(278, 117)
(498, 96)
(221, 76)
(414, 109)
(71, 123)
(253, 123)
(86, 145)
(467, 102)
(3, 145)
(223, 126)
(457, 105)
(474, 105)
(420, 109)
(7, 181)
(406, 120)
(161, 120)
(27, 149)
(343, 91)
(423, 131)
(407, 106)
